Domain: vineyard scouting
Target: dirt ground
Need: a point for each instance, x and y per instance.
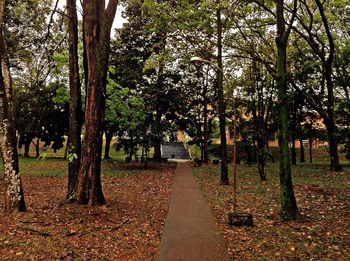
(128, 227)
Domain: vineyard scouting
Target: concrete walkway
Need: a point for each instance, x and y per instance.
(190, 232)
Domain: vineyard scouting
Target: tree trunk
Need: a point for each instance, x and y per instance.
(27, 142)
(37, 148)
(302, 151)
(14, 196)
(288, 202)
(333, 145)
(97, 28)
(328, 70)
(310, 149)
(330, 124)
(294, 152)
(158, 140)
(261, 160)
(224, 180)
(109, 136)
(146, 158)
(131, 153)
(75, 106)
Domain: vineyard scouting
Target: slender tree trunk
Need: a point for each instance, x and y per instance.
(302, 151)
(261, 159)
(109, 136)
(330, 124)
(14, 196)
(224, 180)
(66, 150)
(310, 149)
(97, 28)
(293, 131)
(328, 70)
(131, 153)
(294, 152)
(75, 106)
(146, 158)
(288, 202)
(158, 140)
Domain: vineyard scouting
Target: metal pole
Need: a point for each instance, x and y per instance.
(234, 167)
(234, 159)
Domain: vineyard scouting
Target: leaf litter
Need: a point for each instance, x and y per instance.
(323, 232)
(128, 227)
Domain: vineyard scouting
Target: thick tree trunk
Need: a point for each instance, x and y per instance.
(109, 136)
(27, 142)
(14, 196)
(37, 148)
(224, 180)
(288, 202)
(97, 27)
(333, 145)
(157, 151)
(75, 106)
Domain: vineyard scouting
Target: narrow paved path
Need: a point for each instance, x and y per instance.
(190, 232)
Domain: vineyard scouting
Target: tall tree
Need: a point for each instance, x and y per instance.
(221, 99)
(75, 109)
(14, 197)
(97, 24)
(316, 32)
(288, 202)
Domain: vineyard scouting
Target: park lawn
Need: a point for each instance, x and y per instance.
(128, 227)
(323, 199)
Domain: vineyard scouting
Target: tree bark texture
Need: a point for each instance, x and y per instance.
(14, 196)
(288, 202)
(97, 27)
(75, 106)
(224, 180)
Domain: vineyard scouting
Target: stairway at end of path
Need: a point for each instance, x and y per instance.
(190, 232)
(175, 150)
